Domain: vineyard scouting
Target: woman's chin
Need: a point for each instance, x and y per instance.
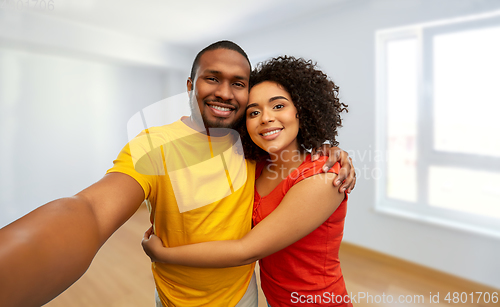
(271, 149)
(266, 147)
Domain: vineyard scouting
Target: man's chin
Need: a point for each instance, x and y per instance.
(228, 123)
(220, 124)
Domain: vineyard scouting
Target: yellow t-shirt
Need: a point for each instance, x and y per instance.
(197, 188)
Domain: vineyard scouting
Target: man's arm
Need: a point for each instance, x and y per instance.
(47, 250)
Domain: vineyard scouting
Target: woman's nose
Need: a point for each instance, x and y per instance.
(267, 116)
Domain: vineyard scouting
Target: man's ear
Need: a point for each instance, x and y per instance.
(189, 84)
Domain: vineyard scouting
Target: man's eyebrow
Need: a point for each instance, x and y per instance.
(270, 100)
(217, 72)
(241, 78)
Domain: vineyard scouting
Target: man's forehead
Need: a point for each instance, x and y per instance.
(222, 61)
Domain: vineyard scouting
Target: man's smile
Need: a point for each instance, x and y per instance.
(220, 109)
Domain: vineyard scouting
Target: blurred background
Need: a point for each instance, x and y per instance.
(420, 78)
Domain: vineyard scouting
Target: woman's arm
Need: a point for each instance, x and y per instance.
(304, 208)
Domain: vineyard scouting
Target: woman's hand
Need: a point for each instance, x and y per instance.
(152, 245)
(347, 173)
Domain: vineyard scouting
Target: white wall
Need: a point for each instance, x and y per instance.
(66, 94)
(33, 30)
(342, 40)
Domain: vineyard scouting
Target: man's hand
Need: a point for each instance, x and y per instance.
(152, 244)
(347, 173)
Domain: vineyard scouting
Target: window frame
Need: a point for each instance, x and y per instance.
(421, 210)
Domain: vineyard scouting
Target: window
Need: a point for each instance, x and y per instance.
(438, 102)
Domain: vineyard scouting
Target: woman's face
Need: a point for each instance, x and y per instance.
(271, 118)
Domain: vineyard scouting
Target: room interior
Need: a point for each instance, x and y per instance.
(73, 73)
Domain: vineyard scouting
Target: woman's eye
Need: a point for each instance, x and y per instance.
(254, 113)
(279, 106)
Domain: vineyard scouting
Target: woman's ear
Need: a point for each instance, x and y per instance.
(300, 122)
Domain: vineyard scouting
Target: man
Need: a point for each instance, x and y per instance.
(167, 166)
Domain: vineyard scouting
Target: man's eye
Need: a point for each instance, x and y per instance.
(212, 79)
(240, 84)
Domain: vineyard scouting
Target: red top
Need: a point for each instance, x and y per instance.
(306, 273)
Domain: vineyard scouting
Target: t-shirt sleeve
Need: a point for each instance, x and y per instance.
(309, 169)
(141, 160)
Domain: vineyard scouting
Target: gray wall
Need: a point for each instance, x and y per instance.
(67, 92)
(62, 122)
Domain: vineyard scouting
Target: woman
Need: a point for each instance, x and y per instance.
(298, 217)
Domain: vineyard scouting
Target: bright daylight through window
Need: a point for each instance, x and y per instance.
(438, 104)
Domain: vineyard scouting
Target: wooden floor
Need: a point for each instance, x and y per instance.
(120, 275)
(372, 273)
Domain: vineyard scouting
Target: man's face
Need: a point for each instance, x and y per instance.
(220, 88)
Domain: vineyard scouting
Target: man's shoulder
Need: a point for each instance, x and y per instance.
(165, 129)
(159, 135)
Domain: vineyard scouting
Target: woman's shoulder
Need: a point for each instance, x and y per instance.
(308, 169)
(311, 168)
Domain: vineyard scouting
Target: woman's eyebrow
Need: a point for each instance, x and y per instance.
(277, 97)
(251, 105)
(270, 100)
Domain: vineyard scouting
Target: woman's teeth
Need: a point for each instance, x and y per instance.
(271, 132)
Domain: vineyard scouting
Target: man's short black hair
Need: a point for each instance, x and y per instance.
(225, 44)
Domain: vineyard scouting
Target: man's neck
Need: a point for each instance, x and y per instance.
(200, 127)
(193, 124)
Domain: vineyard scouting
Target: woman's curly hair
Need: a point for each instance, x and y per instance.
(314, 96)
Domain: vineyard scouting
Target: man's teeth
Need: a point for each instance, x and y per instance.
(271, 132)
(221, 108)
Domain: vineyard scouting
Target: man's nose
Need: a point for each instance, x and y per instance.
(224, 91)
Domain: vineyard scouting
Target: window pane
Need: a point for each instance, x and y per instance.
(402, 119)
(466, 95)
(448, 189)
